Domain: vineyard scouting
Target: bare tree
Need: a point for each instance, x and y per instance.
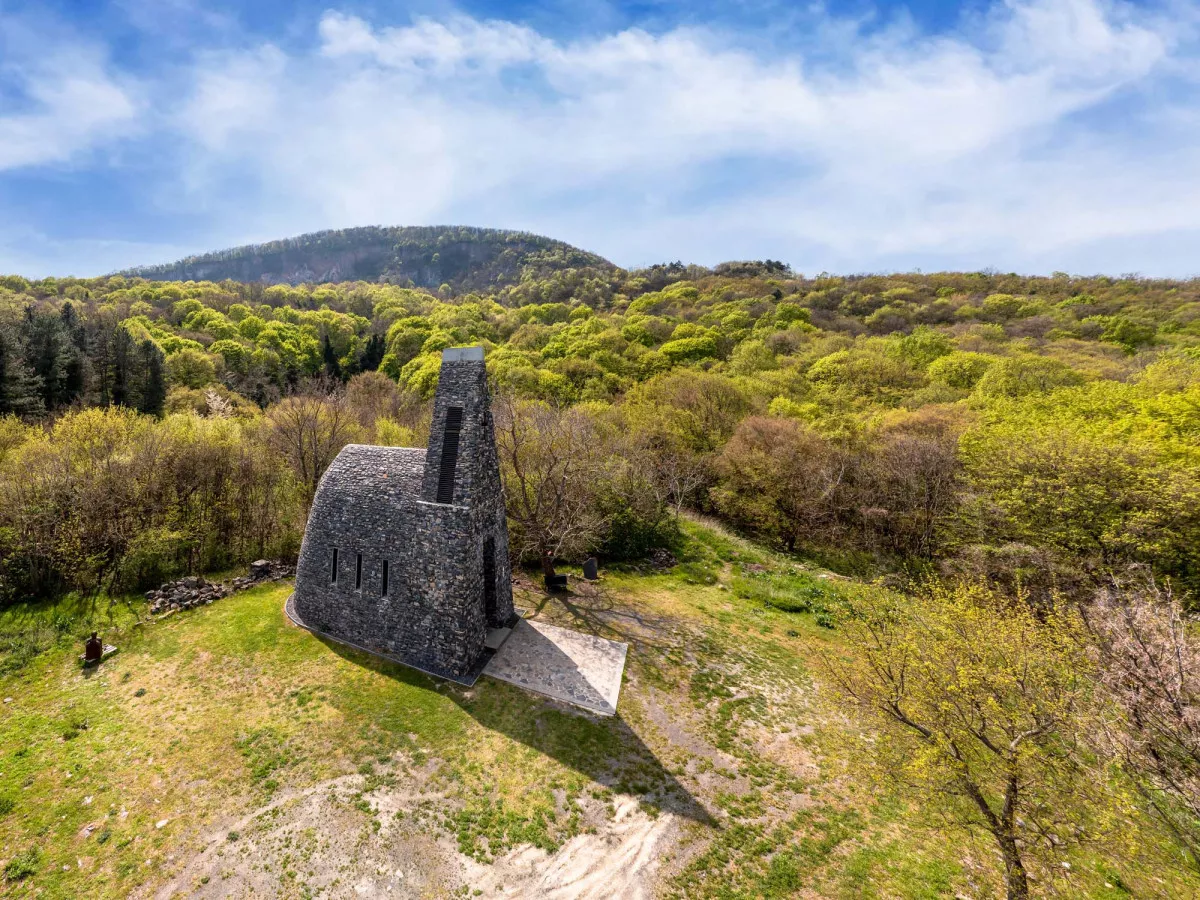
(1150, 665)
(678, 471)
(308, 430)
(911, 478)
(550, 460)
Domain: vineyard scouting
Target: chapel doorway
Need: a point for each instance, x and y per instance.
(489, 581)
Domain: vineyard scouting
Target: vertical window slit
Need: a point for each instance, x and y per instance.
(358, 573)
(445, 490)
(333, 570)
(384, 591)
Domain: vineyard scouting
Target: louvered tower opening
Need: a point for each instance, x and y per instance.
(445, 491)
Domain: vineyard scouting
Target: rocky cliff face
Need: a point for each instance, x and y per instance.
(464, 258)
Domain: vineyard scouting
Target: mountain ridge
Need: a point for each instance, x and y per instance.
(428, 256)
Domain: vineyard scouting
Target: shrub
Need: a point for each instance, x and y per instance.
(23, 865)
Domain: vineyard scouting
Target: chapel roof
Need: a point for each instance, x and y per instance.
(365, 466)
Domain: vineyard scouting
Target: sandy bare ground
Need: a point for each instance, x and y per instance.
(620, 860)
(320, 839)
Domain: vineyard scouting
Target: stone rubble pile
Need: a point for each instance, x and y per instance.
(662, 558)
(193, 591)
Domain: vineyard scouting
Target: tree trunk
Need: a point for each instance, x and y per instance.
(1014, 869)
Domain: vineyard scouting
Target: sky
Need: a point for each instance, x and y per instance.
(1030, 135)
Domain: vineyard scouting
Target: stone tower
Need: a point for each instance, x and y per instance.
(406, 550)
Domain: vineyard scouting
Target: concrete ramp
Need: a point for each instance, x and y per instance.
(574, 668)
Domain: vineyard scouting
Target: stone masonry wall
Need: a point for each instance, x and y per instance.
(378, 502)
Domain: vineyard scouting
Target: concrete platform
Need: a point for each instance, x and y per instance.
(496, 637)
(574, 668)
(566, 665)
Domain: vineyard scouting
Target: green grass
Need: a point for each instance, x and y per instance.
(209, 715)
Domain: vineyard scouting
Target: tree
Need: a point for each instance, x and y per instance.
(710, 406)
(20, 388)
(551, 464)
(49, 354)
(122, 387)
(191, 368)
(76, 371)
(308, 431)
(372, 354)
(154, 388)
(983, 701)
(1150, 668)
(909, 487)
(675, 469)
(1101, 500)
(783, 480)
(332, 367)
(1020, 376)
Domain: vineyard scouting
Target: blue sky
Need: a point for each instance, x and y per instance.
(1028, 135)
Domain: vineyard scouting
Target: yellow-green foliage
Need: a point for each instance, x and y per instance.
(949, 412)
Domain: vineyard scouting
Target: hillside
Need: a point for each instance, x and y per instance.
(941, 473)
(226, 753)
(466, 259)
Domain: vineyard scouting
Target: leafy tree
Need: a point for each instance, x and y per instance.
(193, 368)
(1102, 500)
(985, 703)
(961, 370)
(1020, 376)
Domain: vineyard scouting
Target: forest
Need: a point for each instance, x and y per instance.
(1038, 431)
(1019, 457)
(462, 258)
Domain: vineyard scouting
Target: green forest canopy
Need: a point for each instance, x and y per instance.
(463, 258)
(1039, 430)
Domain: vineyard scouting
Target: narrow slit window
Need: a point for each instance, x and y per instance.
(384, 589)
(358, 572)
(445, 489)
(333, 569)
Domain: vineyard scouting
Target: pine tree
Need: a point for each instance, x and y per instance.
(20, 389)
(48, 353)
(153, 391)
(122, 385)
(332, 367)
(76, 368)
(372, 354)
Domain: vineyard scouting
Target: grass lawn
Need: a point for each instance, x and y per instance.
(224, 752)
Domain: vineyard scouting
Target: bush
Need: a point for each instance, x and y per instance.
(633, 536)
(23, 865)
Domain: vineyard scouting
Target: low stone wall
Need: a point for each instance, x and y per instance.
(195, 590)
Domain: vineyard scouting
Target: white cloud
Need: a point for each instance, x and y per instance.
(1039, 134)
(976, 148)
(62, 101)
